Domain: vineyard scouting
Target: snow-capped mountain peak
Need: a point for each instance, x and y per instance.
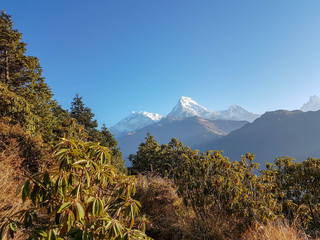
(236, 112)
(235, 107)
(312, 105)
(187, 101)
(134, 121)
(187, 107)
(152, 116)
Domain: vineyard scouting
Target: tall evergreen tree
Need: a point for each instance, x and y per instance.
(17, 69)
(84, 117)
(82, 113)
(107, 138)
(25, 97)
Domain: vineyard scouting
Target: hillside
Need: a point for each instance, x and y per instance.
(274, 134)
(191, 131)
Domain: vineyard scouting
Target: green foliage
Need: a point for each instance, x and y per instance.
(208, 181)
(83, 115)
(107, 138)
(84, 197)
(151, 157)
(147, 156)
(297, 189)
(16, 69)
(25, 98)
(214, 186)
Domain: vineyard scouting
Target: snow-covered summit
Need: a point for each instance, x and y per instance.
(134, 121)
(312, 105)
(236, 112)
(187, 107)
(152, 116)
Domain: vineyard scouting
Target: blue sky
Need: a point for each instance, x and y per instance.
(125, 55)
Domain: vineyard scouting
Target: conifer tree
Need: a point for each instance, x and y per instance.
(107, 138)
(25, 97)
(82, 113)
(84, 117)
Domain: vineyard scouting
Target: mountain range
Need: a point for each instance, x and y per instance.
(191, 131)
(274, 134)
(235, 130)
(185, 108)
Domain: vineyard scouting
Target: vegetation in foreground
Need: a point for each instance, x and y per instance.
(228, 198)
(62, 178)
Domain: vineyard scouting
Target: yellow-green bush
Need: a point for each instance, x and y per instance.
(80, 197)
(217, 188)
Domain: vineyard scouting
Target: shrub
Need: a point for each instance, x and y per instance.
(81, 197)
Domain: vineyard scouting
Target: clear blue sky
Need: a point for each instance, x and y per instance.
(125, 55)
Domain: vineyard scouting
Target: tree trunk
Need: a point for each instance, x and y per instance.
(7, 76)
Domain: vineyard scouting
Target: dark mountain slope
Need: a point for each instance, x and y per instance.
(274, 134)
(191, 131)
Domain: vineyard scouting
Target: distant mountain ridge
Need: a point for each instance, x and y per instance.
(185, 108)
(191, 131)
(274, 134)
(236, 112)
(134, 121)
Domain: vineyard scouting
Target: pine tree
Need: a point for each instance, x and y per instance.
(83, 114)
(25, 97)
(147, 156)
(107, 138)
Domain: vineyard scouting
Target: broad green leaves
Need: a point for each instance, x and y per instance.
(84, 197)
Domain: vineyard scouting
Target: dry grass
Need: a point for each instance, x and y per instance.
(275, 231)
(11, 176)
(20, 155)
(161, 206)
(169, 219)
(218, 226)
